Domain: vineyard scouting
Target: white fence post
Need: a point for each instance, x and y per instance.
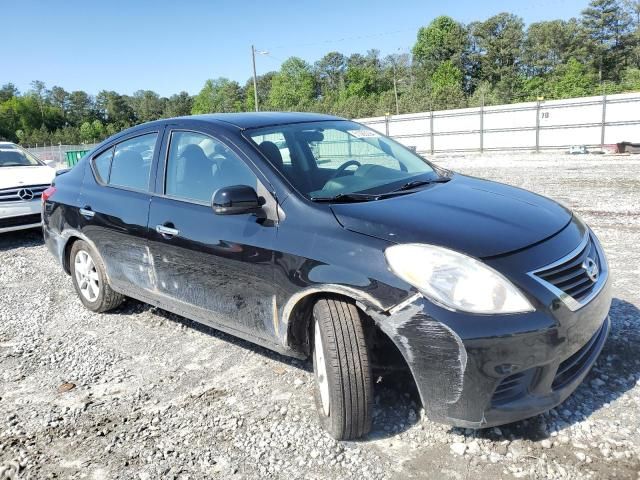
(431, 130)
(604, 120)
(482, 125)
(538, 126)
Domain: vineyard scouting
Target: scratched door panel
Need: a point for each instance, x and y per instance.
(118, 229)
(214, 265)
(114, 208)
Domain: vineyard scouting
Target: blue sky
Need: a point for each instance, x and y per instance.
(169, 46)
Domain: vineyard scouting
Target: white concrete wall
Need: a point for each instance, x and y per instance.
(574, 121)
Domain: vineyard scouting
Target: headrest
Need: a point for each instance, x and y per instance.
(272, 152)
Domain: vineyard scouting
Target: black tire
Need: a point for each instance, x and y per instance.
(107, 299)
(348, 372)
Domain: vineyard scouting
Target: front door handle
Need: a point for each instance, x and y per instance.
(167, 231)
(86, 212)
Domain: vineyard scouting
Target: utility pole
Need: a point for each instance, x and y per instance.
(255, 79)
(395, 88)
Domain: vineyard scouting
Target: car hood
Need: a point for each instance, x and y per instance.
(470, 215)
(19, 176)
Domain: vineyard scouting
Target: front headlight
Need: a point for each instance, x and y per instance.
(455, 281)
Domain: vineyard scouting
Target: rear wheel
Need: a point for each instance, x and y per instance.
(90, 280)
(344, 390)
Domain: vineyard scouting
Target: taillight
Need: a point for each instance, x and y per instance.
(48, 193)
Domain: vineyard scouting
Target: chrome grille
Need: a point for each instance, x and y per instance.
(572, 277)
(12, 194)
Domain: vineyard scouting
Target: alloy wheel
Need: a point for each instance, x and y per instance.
(87, 276)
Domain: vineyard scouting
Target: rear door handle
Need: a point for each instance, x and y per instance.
(167, 231)
(86, 212)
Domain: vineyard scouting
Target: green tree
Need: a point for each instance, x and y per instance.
(146, 105)
(362, 81)
(496, 49)
(330, 71)
(574, 79)
(178, 105)
(7, 91)
(446, 87)
(630, 80)
(415, 99)
(218, 96)
(607, 25)
(98, 130)
(86, 132)
(443, 40)
(113, 108)
(264, 88)
(79, 107)
(550, 44)
(354, 107)
(39, 92)
(59, 98)
(293, 88)
(633, 9)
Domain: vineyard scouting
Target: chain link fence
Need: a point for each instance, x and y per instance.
(56, 155)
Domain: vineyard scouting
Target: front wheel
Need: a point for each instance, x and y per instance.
(90, 280)
(344, 391)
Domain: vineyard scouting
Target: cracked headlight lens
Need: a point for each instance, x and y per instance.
(455, 281)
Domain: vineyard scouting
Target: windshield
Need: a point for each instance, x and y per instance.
(14, 156)
(339, 157)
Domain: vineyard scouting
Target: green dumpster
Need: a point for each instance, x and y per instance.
(73, 156)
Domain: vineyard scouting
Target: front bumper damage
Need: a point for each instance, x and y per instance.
(476, 372)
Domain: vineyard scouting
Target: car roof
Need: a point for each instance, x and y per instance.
(241, 121)
(262, 119)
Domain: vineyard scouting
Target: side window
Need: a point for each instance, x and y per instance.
(131, 163)
(198, 165)
(102, 165)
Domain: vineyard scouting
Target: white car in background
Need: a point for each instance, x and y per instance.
(23, 178)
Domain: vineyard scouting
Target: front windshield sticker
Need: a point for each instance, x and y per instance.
(363, 133)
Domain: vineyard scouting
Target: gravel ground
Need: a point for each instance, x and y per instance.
(140, 393)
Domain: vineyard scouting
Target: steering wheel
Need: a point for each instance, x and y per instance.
(343, 167)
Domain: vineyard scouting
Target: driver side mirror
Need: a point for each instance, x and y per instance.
(236, 200)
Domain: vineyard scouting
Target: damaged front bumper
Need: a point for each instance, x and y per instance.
(479, 371)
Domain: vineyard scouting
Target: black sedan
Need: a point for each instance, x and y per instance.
(317, 237)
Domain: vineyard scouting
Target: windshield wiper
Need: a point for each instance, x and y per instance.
(367, 197)
(420, 183)
(347, 198)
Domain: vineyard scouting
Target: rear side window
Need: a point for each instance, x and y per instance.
(103, 164)
(128, 164)
(131, 163)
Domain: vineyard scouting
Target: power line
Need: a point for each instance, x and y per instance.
(345, 39)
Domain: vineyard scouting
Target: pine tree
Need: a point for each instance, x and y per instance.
(608, 26)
